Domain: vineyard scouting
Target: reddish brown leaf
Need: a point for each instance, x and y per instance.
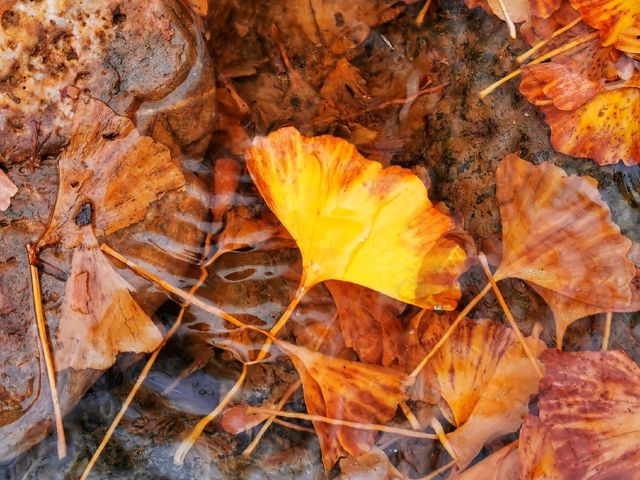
(109, 165)
(226, 176)
(7, 191)
(373, 465)
(589, 418)
(99, 318)
(346, 390)
(236, 419)
(370, 324)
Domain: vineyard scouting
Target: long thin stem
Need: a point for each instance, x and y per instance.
(565, 48)
(505, 308)
(343, 423)
(439, 471)
(507, 18)
(607, 331)
(413, 421)
(423, 12)
(186, 296)
(190, 440)
(465, 311)
(526, 55)
(36, 293)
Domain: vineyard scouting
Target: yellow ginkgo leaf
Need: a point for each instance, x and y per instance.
(357, 222)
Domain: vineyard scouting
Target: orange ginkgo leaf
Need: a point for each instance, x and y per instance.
(373, 465)
(346, 390)
(357, 222)
(618, 21)
(485, 382)
(603, 129)
(243, 229)
(504, 464)
(558, 235)
(109, 165)
(7, 191)
(199, 7)
(588, 421)
(99, 318)
(370, 324)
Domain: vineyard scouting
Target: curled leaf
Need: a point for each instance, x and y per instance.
(346, 390)
(589, 418)
(7, 191)
(108, 164)
(357, 222)
(99, 318)
(370, 324)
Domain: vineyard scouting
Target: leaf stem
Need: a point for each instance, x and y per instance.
(343, 423)
(450, 330)
(46, 351)
(542, 43)
(507, 312)
(190, 440)
(607, 331)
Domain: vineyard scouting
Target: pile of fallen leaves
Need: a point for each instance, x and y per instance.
(586, 73)
(391, 259)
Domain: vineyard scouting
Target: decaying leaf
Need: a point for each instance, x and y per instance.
(558, 236)
(236, 419)
(357, 222)
(503, 464)
(519, 10)
(226, 177)
(199, 7)
(243, 230)
(484, 379)
(109, 165)
(603, 129)
(99, 318)
(346, 390)
(7, 191)
(370, 324)
(373, 465)
(618, 21)
(502, 405)
(589, 418)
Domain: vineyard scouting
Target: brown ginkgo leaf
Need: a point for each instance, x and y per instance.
(588, 421)
(485, 382)
(370, 324)
(346, 390)
(558, 236)
(7, 191)
(99, 318)
(109, 165)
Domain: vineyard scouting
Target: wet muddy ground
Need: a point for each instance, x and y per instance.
(451, 136)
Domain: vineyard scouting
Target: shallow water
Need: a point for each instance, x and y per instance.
(455, 139)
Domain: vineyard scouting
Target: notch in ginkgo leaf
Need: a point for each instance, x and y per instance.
(109, 164)
(99, 317)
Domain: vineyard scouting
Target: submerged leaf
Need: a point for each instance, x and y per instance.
(236, 419)
(373, 465)
(7, 191)
(370, 324)
(346, 390)
(485, 381)
(109, 165)
(558, 236)
(589, 418)
(604, 129)
(618, 21)
(357, 222)
(99, 318)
